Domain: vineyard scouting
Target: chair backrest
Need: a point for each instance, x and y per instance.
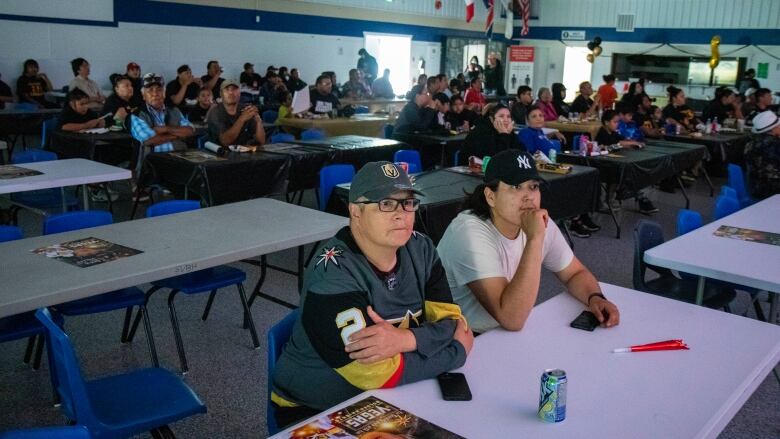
(330, 176)
(171, 206)
(282, 137)
(65, 222)
(277, 337)
(409, 156)
(313, 134)
(725, 206)
(647, 234)
(361, 109)
(32, 156)
(728, 191)
(388, 130)
(737, 181)
(69, 432)
(48, 127)
(688, 220)
(270, 116)
(10, 233)
(69, 383)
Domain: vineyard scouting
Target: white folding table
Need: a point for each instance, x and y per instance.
(746, 263)
(171, 245)
(664, 394)
(62, 173)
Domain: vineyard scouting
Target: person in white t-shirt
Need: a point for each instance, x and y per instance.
(493, 251)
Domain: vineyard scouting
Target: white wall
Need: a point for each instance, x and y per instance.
(98, 10)
(162, 49)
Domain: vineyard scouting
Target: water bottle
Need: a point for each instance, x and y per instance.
(715, 125)
(553, 155)
(708, 127)
(677, 129)
(583, 142)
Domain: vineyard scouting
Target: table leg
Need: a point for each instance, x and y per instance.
(700, 290)
(773, 299)
(709, 182)
(85, 196)
(684, 193)
(64, 201)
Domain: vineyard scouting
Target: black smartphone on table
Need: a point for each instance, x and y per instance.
(586, 321)
(454, 387)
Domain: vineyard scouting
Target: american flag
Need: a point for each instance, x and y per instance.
(525, 11)
(469, 10)
(489, 20)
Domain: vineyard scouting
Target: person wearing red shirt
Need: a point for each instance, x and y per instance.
(607, 93)
(474, 99)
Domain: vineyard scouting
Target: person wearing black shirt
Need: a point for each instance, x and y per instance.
(583, 104)
(211, 79)
(763, 99)
(121, 103)
(416, 116)
(521, 106)
(322, 100)
(748, 81)
(249, 78)
(492, 134)
(368, 65)
(634, 96)
(77, 116)
(6, 95)
(677, 112)
(646, 120)
(460, 117)
(32, 85)
(182, 89)
(295, 83)
(559, 94)
(494, 76)
(196, 114)
(233, 124)
(721, 107)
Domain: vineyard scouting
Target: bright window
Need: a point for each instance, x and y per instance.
(392, 52)
(576, 69)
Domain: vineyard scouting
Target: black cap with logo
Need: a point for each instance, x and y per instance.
(513, 167)
(378, 180)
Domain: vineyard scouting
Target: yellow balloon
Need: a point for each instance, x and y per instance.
(714, 61)
(597, 51)
(715, 54)
(590, 57)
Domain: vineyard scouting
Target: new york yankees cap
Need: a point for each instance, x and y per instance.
(377, 180)
(513, 167)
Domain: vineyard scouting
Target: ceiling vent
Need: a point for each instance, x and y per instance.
(625, 22)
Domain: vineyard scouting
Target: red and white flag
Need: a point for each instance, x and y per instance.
(525, 12)
(469, 10)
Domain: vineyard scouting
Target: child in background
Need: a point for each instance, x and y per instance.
(285, 109)
(626, 125)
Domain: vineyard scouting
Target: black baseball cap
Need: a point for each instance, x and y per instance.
(248, 65)
(378, 180)
(152, 79)
(513, 167)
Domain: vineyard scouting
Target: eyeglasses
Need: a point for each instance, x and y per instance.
(391, 204)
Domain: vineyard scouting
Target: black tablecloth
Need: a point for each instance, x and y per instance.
(113, 147)
(629, 169)
(241, 176)
(723, 149)
(445, 194)
(434, 149)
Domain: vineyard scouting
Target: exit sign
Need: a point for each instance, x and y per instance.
(573, 35)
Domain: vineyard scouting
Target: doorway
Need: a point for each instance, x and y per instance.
(392, 52)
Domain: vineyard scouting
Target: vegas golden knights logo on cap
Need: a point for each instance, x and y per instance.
(390, 170)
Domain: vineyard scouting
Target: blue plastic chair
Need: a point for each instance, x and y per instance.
(361, 109)
(727, 191)
(202, 141)
(737, 182)
(25, 106)
(43, 199)
(126, 298)
(210, 279)
(277, 338)
(118, 406)
(70, 432)
(409, 156)
(270, 116)
(575, 142)
(725, 206)
(313, 134)
(48, 127)
(330, 176)
(388, 131)
(10, 233)
(282, 137)
(688, 220)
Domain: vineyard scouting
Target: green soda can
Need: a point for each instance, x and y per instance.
(552, 396)
(485, 161)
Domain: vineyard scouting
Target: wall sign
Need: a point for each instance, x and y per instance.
(573, 35)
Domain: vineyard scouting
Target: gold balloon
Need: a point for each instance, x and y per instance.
(597, 51)
(590, 57)
(715, 56)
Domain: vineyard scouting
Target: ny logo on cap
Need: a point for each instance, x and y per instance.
(390, 170)
(522, 162)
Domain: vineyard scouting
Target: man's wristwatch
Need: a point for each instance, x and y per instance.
(595, 295)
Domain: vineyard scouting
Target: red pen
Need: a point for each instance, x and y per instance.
(668, 345)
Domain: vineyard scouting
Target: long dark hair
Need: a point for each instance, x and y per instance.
(476, 201)
(673, 91)
(722, 92)
(557, 88)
